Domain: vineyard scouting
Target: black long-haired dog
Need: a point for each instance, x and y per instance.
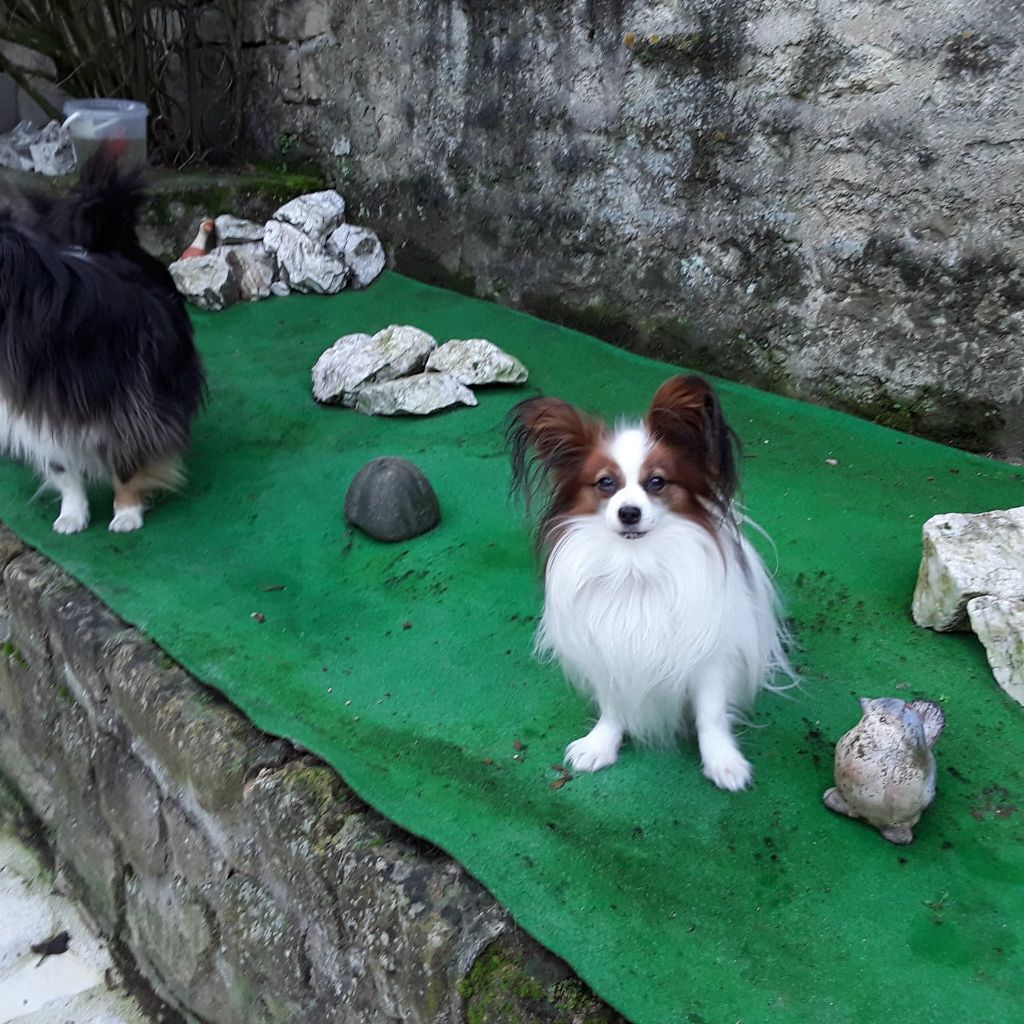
(99, 374)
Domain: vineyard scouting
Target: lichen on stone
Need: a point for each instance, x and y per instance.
(504, 987)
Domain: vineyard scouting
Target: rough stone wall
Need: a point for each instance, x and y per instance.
(236, 874)
(824, 198)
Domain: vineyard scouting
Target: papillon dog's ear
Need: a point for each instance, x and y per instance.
(686, 413)
(549, 439)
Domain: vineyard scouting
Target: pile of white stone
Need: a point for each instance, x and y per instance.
(45, 150)
(402, 370)
(972, 577)
(305, 247)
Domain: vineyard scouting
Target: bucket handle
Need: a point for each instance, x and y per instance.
(81, 113)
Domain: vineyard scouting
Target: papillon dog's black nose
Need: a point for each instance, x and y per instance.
(629, 515)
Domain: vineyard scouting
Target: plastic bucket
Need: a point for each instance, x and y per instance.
(91, 123)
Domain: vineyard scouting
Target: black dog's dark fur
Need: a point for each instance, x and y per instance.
(96, 347)
(88, 342)
(101, 214)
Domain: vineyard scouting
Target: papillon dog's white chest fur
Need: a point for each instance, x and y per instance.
(663, 631)
(656, 605)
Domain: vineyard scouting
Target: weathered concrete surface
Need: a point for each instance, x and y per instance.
(240, 876)
(80, 985)
(825, 199)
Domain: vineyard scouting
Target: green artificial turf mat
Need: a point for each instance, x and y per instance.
(408, 668)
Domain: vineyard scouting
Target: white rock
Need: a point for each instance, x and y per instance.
(47, 150)
(968, 556)
(357, 360)
(999, 623)
(305, 264)
(14, 147)
(232, 230)
(418, 395)
(315, 214)
(210, 281)
(408, 347)
(280, 289)
(52, 152)
(477, 361)
(342, 369)
(256, 268)
(361, 251)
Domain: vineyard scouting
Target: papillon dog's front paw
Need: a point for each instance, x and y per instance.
(592, 753)
(728, 769)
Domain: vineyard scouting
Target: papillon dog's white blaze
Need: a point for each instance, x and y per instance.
(656, 605)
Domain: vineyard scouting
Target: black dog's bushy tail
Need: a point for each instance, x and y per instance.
(102, 210)
(101, 213)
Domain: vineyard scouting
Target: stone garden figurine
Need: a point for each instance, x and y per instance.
(884, 767)
(201, 244)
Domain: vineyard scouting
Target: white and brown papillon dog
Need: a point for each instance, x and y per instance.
(656, 605)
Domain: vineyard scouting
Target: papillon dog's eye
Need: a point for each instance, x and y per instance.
(606, 485)
(655, 484)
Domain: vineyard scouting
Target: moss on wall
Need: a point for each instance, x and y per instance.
(940, 415)
(504, 988)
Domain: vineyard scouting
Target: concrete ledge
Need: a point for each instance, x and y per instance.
(237, 875)
(179, 200)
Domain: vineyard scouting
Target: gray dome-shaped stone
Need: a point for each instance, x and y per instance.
(390, 499)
